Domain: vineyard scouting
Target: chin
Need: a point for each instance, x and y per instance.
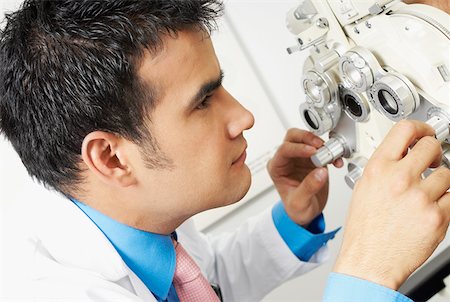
(240, 186)
(232, 190)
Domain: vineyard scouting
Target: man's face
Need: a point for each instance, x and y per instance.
(198, 126)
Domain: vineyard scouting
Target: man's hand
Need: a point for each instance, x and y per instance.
(396, 218)
(303, 187)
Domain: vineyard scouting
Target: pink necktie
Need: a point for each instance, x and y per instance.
(188, 280)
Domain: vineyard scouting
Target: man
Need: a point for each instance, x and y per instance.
(119, 106)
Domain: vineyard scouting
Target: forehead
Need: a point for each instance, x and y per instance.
(185, 62)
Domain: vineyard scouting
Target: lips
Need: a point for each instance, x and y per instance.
(241, 155)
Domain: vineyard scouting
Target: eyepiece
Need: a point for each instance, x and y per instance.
(387, 101)
(320, 120)
(354, 104)
(394, 96)
(311, 119)
(357, 68)
(321, 88)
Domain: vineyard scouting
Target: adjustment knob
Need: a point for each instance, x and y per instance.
(355, 171)
(329, 152)
(300, 18)
(440, 126)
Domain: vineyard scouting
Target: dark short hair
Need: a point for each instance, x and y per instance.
(69, 67)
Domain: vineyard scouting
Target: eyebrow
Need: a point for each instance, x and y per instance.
(206, 89)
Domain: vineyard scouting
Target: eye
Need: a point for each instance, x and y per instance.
(204, 103)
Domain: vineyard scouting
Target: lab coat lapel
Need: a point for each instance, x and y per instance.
(74, 240)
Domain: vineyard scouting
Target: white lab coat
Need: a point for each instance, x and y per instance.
(60, 255)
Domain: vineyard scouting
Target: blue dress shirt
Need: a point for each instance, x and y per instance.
(304, 243)
(344, 288)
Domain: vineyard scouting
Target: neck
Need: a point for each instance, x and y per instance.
(126, 211)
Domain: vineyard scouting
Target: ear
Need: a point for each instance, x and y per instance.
(105, 157)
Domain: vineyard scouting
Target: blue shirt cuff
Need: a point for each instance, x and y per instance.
(304, 243)
(344, 288)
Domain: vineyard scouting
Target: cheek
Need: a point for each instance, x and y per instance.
(204, 150)
(209, 160)
(204, 169)
(198, 147)
(200, 178)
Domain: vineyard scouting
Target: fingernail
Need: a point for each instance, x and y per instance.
(317, 142)
(321, 174)
(310, 149)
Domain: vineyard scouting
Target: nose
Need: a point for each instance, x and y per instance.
(240, 118)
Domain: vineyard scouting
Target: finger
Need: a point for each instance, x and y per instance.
(338, 163)
(301, 136)
(400, 137)
(311, 184)
(437, 183)
(426, 152)
(444, 204)
(287, 151)
(294, 150)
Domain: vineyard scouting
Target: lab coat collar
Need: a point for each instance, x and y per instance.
(73, 240)
(150, 256)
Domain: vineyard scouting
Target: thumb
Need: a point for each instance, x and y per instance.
(310, 186)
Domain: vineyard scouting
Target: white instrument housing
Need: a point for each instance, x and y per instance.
(379, 62)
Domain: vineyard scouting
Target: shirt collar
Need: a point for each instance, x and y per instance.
(150, 256)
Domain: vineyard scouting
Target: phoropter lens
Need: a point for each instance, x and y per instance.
(388, 101)
(311, 119)
(312, 90)
(320, 120)
(353, 75)
(352, 105)
(394, 96)
(321, 88)
(355, 104)
(357, 68)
